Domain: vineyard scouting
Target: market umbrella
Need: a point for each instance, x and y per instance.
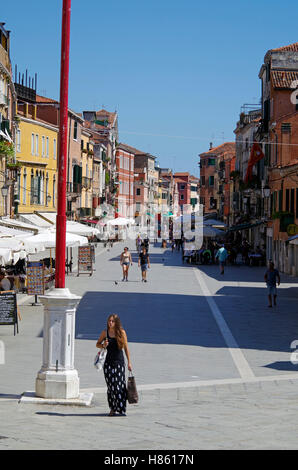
(119, 221)
(47, 239)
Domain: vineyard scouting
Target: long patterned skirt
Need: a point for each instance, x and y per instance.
(115, 379)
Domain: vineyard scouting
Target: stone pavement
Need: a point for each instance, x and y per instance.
(212, 362)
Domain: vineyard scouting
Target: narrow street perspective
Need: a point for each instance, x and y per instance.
(207, 354)
(148, 228)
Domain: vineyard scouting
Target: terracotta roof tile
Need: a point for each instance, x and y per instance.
(43, 99)
(283, 79)
(291, 47)
(221, 149)
(133, 150)
(103, 113)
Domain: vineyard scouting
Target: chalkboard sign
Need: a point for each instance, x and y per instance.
(85, 258)
(8, 309)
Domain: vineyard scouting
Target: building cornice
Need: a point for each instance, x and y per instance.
(38, 123)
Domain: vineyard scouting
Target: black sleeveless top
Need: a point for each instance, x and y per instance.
(114, 353)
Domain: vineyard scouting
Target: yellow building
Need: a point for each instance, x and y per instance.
(7, 105)
(36, 153)
(87, 169)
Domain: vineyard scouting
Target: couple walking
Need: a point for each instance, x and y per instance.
(143, 263)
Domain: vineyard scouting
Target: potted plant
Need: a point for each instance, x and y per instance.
(7, 150)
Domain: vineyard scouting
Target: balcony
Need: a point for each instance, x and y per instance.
(73, 188)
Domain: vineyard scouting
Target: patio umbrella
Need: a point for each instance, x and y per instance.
(118, 221)
(47, 239)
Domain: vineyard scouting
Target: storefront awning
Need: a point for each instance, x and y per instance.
(293, 240)
(244, 226)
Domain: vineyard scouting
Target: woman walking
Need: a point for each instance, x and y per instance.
(115, 340)
(125, 261)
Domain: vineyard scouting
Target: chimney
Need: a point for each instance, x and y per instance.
(210, 148)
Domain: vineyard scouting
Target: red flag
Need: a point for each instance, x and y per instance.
(256, 154)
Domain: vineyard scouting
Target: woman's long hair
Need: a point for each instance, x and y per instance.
(118, 330)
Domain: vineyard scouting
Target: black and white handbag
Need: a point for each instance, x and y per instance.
(100, 358)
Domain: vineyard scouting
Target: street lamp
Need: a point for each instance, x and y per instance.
(4, 191)
(266, 191)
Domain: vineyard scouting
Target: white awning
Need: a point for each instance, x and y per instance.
(72, 226)
(47, 239)
(34, 219)
(119, 221)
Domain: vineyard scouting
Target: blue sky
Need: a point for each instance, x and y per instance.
(176, 72)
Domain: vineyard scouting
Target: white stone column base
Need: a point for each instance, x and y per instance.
(61, 384)
(84, 399)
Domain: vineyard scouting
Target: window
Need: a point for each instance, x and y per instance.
(32, 145)
(203, 180)
(287, 200)
(82, 145)
(182, 197)
(54, 191)
(211, 161)
(43, 146)
(75, 130)
(18, 140)
(55, 149)
(47, 189)
(47, 147)
(280, 200)
(138, 191)
(211, 180)
(182, 186)
(24, 186)
(292, 201)
(36, 144)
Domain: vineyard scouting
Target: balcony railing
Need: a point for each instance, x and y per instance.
(73, 188)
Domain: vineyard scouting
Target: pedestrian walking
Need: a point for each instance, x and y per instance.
(144, 263)
(125, 262)
(138, 243)
(271, 276)
(222, 255)
(4, 282)
(115, 340)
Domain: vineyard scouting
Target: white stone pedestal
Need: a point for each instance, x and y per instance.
(58, 378)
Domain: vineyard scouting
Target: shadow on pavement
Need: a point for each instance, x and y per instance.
(187, 319)
(63, 415)
(282, 365)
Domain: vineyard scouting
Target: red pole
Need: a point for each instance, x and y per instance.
(62, 162)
